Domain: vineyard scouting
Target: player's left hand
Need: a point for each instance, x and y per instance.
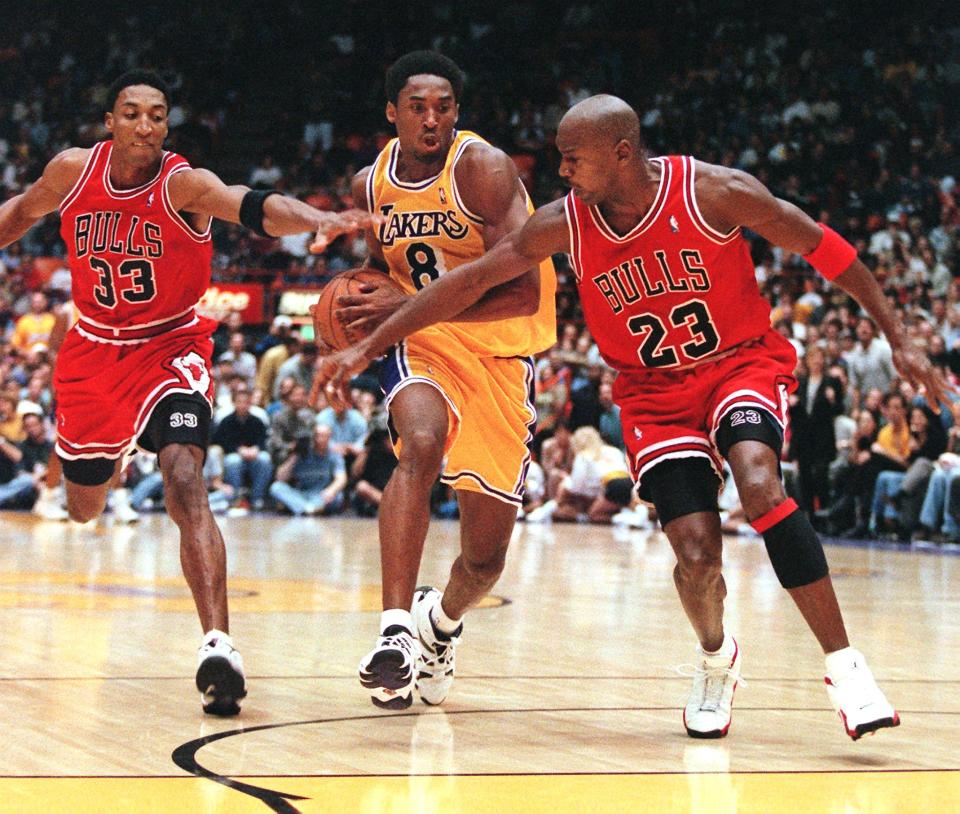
(915, 366)
(361, 313)
(334, 224)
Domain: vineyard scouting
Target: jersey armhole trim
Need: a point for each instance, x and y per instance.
(573, 226)
(176, 217)
(693, 210)
(88, 168)
(453, 180)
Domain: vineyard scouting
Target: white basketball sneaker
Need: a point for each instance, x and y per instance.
(49, 504)
(386, 672)
(220, 677)
(855, 696)
(122, 510)
(437, 649)
(715, 678)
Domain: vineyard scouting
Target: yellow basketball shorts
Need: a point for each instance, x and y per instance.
(490, 408)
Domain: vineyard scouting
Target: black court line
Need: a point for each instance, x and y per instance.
(185, 755)
(500, 677)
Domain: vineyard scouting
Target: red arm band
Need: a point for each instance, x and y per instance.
(833, 256)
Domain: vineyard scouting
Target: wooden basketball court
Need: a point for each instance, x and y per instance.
(568, 694)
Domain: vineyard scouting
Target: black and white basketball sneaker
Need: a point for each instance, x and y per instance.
(437, 649)
(386, 672)
(220, 676)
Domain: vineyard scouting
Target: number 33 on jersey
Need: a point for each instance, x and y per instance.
(134, 260)
(672, 291)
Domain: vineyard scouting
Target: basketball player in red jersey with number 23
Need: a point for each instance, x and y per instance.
(669, 293)
(135, 369)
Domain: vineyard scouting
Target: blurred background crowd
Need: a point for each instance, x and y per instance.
(855, 123)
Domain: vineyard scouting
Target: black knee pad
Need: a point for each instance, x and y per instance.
(178, 419)
(88, 471)
(749, 424)
(794, 548)
(680, 486)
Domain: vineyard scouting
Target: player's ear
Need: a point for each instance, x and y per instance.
(108, 122)
(624, 150)
(456, 117)
(391, 113)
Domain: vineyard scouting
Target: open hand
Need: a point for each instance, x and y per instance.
(914, 365)
(334, 224)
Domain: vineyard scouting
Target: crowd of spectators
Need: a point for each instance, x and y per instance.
(857, 125)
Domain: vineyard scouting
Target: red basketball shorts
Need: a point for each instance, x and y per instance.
(108, 389)
(675, 414)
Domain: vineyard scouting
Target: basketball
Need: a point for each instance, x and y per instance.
(326, 327)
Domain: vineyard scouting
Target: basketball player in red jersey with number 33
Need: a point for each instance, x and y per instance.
(669, 293)
(134, 371)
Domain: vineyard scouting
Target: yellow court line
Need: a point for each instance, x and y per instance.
(752, 793)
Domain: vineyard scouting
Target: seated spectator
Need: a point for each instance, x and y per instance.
(17, 487)
(347, 426)
(273, 358)
(243, 437)
(242, 360)
(300, 366)
(312, 478)
(583, 494)
(11, 422)
(890, 450)
(937, 522)
(35, 326)
(291, 423)
(897, 495)
(556, 458)
(534, 489)
(372, 470)
(610, 430)
(148, 492)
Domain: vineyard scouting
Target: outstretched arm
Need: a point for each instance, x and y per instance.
(732, 198)
(545, 234)
(22, 211)
(203, 193)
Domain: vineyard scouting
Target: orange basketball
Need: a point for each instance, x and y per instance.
(326, 327)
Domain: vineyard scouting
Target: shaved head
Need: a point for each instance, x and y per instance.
(603, 119)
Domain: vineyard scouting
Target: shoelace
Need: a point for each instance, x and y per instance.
(400, 641)
(713, 683)
(439, 653)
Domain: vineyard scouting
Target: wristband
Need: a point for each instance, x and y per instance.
(251, 209)
(833, 255)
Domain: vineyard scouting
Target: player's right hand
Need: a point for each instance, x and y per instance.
(335, 370)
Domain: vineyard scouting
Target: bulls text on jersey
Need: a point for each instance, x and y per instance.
(631, 281)
(117, 232)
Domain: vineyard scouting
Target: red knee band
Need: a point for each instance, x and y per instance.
(774, 516)
(833, 256)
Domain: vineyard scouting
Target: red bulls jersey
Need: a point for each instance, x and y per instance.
(672, 291)
(134, 261)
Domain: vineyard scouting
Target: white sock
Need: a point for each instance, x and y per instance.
(443, 622)
(217, 634)
(396, 616)
(725, 649)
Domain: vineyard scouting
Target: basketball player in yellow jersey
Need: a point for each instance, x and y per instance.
(460, 389)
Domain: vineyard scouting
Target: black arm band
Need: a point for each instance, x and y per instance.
(251, 209)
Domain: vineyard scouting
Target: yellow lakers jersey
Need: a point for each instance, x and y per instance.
(429, 231)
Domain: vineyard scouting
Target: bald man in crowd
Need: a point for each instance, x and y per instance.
(669, 294)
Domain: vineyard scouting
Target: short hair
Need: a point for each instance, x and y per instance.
(422, 62)
(136, 76)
